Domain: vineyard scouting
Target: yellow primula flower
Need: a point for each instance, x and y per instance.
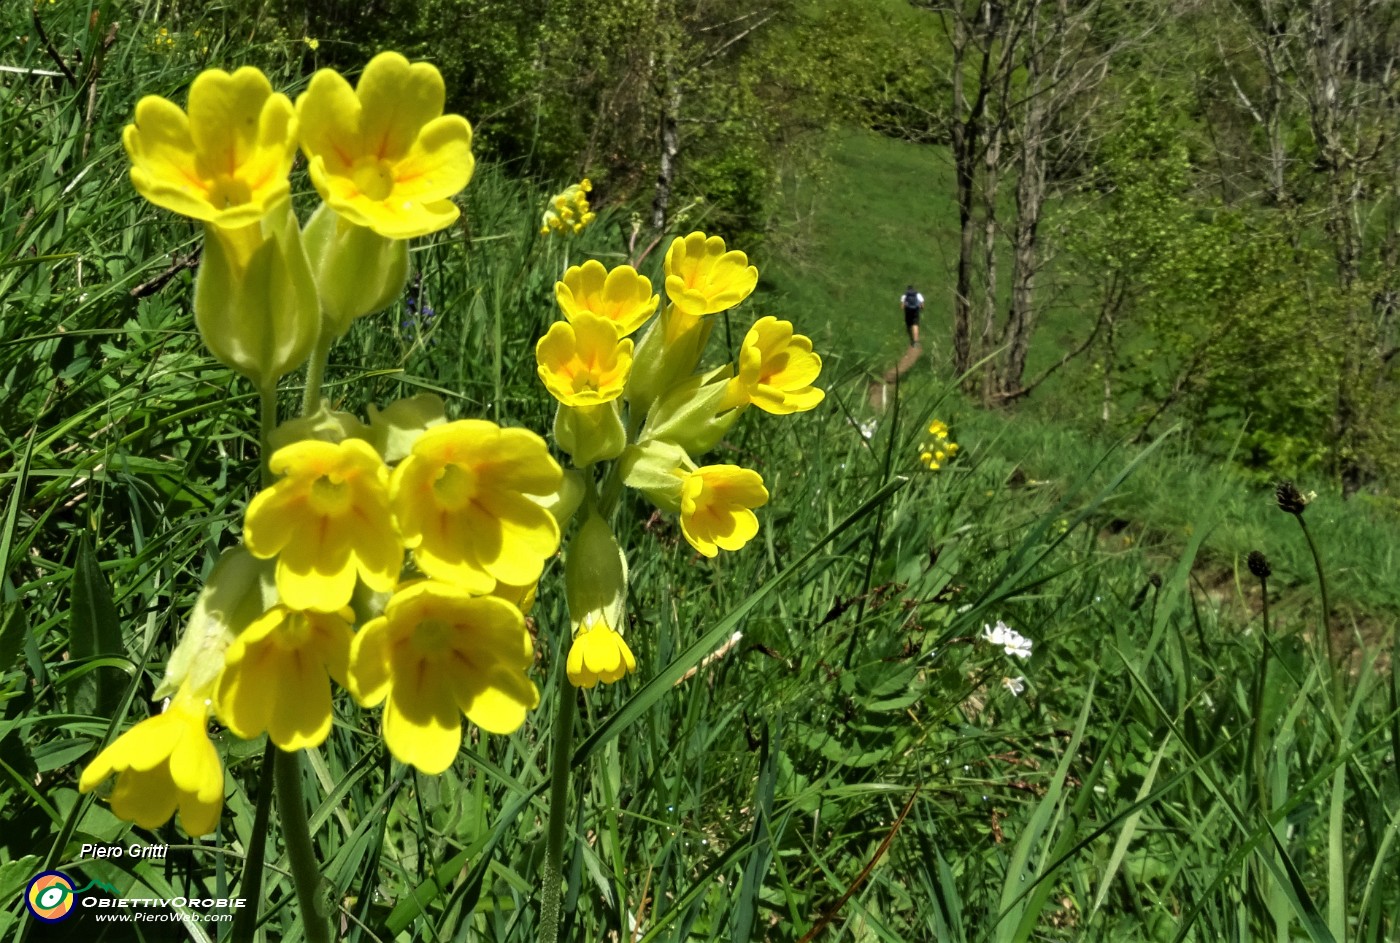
(568, 213)
(702, 278)
(277, 676)
(326, 522)
(598, 653)
(435, 654)
(583, 362)
(164, 763)
(383, 155)
(716, 507)
(460, 500)
(226, 161)
(621, 295)
(775, 370)
(938, 428)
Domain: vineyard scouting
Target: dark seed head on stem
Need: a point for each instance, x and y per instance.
(1259, 565)
(1290, 499)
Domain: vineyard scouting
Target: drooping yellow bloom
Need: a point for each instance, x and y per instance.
(775, 370)
(702, 278)
(621, 295)
(568, 213)
(326, 522)
(277, 674)
(226, 161)
(460, 502)
(438, 653)
(162, 764)
(598, 653)
(383, 155)
(583, 362)
(716, 507)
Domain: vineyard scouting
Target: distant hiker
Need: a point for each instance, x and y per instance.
(913, 304)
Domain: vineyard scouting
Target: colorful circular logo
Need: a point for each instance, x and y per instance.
(50, 897)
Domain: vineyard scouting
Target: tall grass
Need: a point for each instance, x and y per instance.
(851, 767)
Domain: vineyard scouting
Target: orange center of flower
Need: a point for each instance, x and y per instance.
(373, 177)
(455, 486)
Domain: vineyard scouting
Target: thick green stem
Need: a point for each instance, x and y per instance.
(267, 421)
(316, 371)
(558, 807)
(301, 853)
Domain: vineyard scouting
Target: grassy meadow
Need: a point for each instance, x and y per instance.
(818, 743)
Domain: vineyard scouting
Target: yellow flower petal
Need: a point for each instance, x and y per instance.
(383, 155)
(276, 677)
(598, 653)
(227, 161)
(459, 502)
(702, 278)
(327, 521)
(164, 763)
(716, 507)
(438, 653)
(621, 296)
(776, 370)
(583, 362)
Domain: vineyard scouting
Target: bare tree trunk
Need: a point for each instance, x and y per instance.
(670, 110)
(1030, 204)
(966, 135)
(991, 181)
(670, 151)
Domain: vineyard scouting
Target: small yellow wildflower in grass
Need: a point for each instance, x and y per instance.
(937, 449)
(716, 507)
(277, 675)
(312, 44)
(460, 501)
(568, 213)
(621, 295)
(702, 278)
(226, 161)
(775, 370)
(583, 362)
(435, 654)
(164, 763)
(327, 521)
(383, 155)
(598, 653)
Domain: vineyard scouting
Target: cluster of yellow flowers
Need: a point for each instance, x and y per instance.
(937, 450)
(568, 212)
(324, 542)
(673, 414)
(397, 557)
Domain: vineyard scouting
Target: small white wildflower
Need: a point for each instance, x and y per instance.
(1011, 641)
(1015, 685)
